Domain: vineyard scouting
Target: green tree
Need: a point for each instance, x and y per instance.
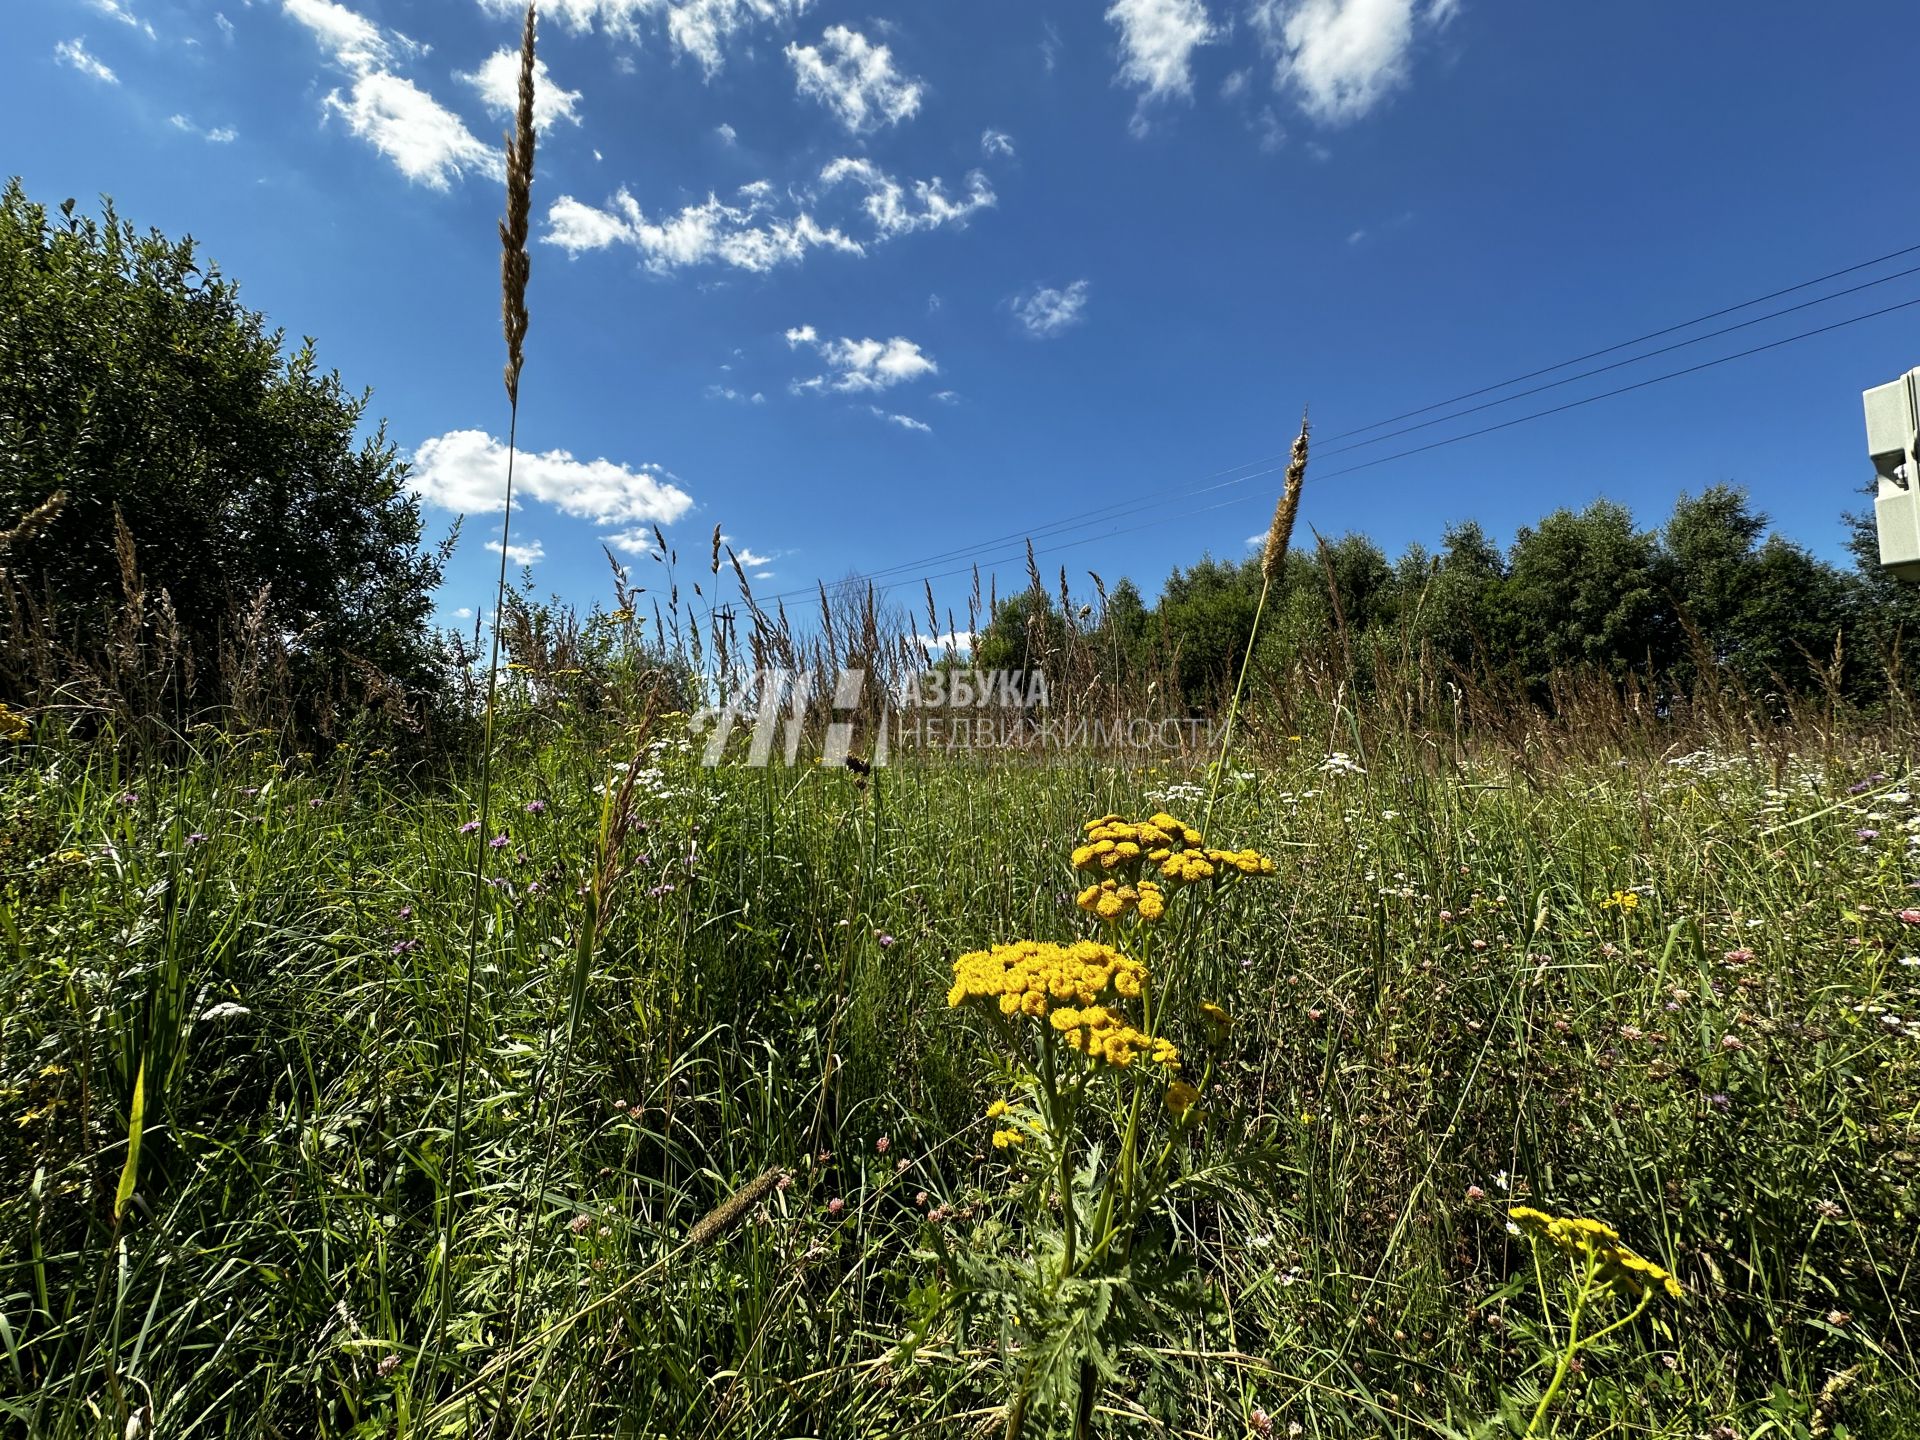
(133, 379)
(1586, 590)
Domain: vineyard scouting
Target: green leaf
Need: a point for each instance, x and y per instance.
(130, 1172)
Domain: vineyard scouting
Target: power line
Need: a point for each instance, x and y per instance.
(1630, 360)
(1417, 449)
(1120, 509)
(1638, 340)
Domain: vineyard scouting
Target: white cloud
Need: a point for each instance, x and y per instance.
(220, 135)
(887, 204)
(750, 560)
(349, 38)
(1047, 312)
(856, 80)
(1341, 58)
(123, 15)
(756, 230)
(226, 25)
(465, 612)
(728, 135)
(1356, 237)
(996, 142)
(727, 392)
(1235, 83)
(74, 53)
(427, 141)
(528, 554)
(960, 640)
(905, 422)
(699, 29)
(742, 235)
(947, 397)
(1157, 41)
(498, 81)
(1271, 134)
(466, 470)
(862, 365)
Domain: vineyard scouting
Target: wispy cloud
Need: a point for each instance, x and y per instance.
(1046, 312)
(75, 53)
(757, 229)
(123, 15)
(738, 397)
(425, 140)
(861, 365)
(897, 209)
(743, 233)
(498, 81)
(996, 142)
(700, 30)
(530, 553)
(855, 79)
(1157, 41)
(905, 422)
(219, 135)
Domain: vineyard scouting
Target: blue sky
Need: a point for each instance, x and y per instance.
(868, 286)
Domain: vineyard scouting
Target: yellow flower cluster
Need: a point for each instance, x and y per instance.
(1622, 900)
(1170, 846)
(1620, 1268)
(1103, 1034)
(1110, 899)
(1180, 1098)
(12, 726)
(1024, 977)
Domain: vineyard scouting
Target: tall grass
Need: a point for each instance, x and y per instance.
(1441, 993)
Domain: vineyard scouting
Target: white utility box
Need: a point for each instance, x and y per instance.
(1893, 438)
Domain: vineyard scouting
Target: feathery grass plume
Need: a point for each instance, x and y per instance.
(1274, 557)
(34, 521)
(1273, 563)
(514, 263)
(712, 1226)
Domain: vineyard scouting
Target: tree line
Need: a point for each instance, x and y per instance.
(1711, 595)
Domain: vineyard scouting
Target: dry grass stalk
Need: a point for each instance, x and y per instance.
(514, 263)
(732, 1210)
(34, 521)
(1279, 534)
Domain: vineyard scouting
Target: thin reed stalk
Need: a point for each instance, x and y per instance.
(514, 268)
(1273, 563)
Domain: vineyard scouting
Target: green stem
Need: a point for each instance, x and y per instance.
(1566, 1356)
(1233, 709)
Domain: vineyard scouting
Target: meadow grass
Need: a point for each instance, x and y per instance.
(1674, 992)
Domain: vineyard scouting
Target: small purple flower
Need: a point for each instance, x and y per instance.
(1721, 1101)
(884, 940)
(536, 807)
(1866, 833)
(130, 798)
(315, 803)
(251, 791)
(499, 842)
(665, 887)
(836, 1205)
(643, 858)
(1858, 787)
(406, 912)
(198, 837)
(401, 947)
(469, 827)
